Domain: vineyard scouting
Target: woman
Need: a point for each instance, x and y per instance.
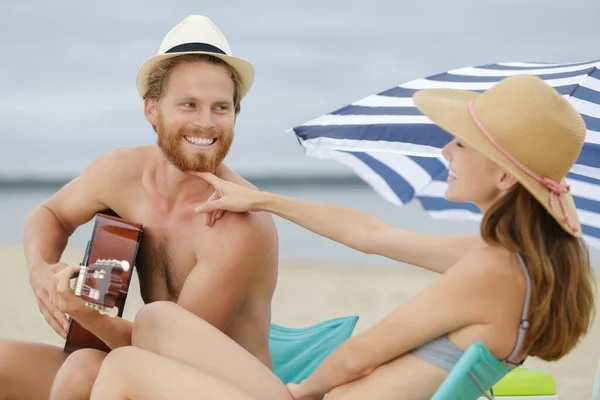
(523, 288)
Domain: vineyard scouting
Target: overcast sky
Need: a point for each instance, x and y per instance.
(67, 76)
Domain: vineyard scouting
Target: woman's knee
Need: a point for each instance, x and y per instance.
(117, 362)
(149, 323)
(119, 358)
(76, 376)
(156, 323)
(114, 373)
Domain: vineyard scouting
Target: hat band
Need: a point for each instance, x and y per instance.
(186, 47)
(555, 187)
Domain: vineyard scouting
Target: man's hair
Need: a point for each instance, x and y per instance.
(159, 76)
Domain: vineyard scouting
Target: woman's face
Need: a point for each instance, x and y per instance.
(473, 177)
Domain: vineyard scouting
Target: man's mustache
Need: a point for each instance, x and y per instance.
(201, 132)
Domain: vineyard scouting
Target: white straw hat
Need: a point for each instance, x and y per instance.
(196, 34)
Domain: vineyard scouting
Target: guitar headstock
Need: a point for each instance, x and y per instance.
(99, 285)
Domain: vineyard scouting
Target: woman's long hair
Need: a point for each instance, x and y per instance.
(563, 287)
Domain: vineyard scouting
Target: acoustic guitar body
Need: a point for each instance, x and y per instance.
(114, 243)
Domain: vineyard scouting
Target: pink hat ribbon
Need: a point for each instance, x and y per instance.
(555, 187)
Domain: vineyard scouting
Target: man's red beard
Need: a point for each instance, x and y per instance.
(171, 143)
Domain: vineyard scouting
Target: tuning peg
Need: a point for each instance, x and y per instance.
(125, 265)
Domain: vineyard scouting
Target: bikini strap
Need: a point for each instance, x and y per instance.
(525, 315)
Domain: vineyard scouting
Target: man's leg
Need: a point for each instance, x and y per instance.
(27, 369)
(75, 379)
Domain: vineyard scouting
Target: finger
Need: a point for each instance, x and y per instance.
(208, 207)
(51, 299)
(61, 317)
(208, 177)
(63, 281)
(213, 196)
(62, 284)
(213, 217)
(55, 282)
(53, 311)
(41, 306)
(54, 323)
(72, 271)
(208, 217)
(67, 269)
(64, 291)
(212, 220)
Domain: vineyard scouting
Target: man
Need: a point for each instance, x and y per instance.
(224, 274)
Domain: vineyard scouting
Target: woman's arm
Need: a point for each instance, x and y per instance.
(463, 297)
(356, 229)
(370, 234)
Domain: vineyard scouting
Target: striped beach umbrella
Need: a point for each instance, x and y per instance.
(396, 150)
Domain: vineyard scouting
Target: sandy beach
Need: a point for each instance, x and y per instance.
(371, 293)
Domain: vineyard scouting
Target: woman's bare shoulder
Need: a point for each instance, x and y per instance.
(493, 267)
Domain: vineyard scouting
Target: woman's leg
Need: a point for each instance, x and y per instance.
(166, 329)
(76, 377)
(27, 369)
(406, 377)
(132, 373)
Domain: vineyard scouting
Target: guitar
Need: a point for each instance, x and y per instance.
(105, 275)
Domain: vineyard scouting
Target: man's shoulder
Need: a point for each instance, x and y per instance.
(125, 155)
(122, 161)
(259, 223)
(249, 230)
(250, 226)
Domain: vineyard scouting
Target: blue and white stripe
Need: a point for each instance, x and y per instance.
(397, 150)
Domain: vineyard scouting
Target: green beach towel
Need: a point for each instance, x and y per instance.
(296, 352)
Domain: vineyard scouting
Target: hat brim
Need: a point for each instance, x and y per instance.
(244, 68)
(448, 108)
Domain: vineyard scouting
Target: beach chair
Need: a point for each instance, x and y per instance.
(475, 373)
(479, 375)
(296, 352)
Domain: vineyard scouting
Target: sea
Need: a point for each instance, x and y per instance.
(297, 244)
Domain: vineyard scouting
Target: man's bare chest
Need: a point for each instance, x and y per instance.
(166, 254)
(163, 264)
